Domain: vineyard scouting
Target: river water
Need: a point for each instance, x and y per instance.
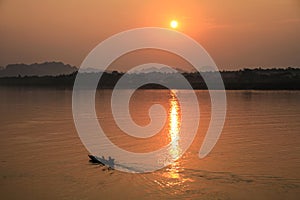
(256, 157)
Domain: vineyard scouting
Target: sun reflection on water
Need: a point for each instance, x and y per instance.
(174, 177)
(174, 127)
(174, 123)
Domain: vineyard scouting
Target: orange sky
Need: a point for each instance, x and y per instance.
(238, 33)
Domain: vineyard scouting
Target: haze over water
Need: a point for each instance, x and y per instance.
(257, 156)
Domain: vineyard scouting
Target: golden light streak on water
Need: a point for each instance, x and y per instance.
(174, 127)
(174, 135)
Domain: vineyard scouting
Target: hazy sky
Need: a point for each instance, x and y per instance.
(236, 33)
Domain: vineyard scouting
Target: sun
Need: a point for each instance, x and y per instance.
(174, 24)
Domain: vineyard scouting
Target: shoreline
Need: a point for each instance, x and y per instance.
(247, 79)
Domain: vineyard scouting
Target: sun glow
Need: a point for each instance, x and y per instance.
(174, 24)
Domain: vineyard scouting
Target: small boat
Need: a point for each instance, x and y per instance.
(110, 162)
(94, 159)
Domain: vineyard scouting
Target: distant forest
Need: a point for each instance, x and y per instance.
(246, 79)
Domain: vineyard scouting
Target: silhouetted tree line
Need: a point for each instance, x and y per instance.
(256, 79)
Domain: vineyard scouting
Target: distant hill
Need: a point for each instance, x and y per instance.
(37, 69)
(158, 69)
(246, 79)
(58, 74)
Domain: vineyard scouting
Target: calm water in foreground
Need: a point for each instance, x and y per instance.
(257, 156)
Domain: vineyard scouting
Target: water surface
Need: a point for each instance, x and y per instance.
(257, 156)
